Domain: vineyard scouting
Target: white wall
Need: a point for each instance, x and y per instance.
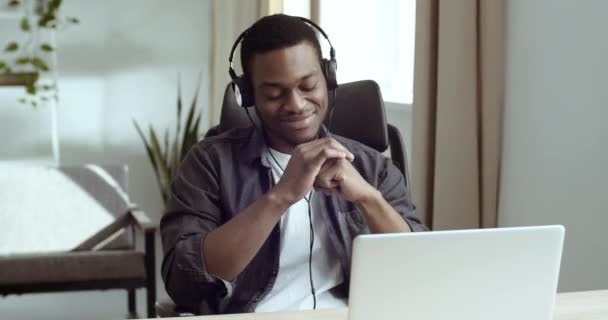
(120, 63)
(555, 161)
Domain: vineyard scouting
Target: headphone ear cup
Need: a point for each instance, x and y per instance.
(243, 92)
(329, 71)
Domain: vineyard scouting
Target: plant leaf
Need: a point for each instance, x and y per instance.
(54, 5)
(43, 21)
(186, 131)
(194, 133)
(166, 148)
(25, 24)
(73, 20)
(190, 117)
(13, 3)
(175, 152)
(22, 60)
(162, 171)
(28, 78)
(31, 89)
(152, 157)
(11, 47)
(179, 104)
(192, 137)
(46, 47)
(39, 64)
(168, 155)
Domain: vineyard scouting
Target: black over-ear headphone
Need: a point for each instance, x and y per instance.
(242, 86)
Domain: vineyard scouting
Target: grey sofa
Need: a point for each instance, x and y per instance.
(120, 255)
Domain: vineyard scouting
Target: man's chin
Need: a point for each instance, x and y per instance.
(298, 137)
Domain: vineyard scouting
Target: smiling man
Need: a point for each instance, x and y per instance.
(263, 219)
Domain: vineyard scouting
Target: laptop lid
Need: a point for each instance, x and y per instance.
(505, 273)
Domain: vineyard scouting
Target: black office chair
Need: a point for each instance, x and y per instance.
(358, 115)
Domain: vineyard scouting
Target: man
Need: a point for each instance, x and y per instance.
(263, 219)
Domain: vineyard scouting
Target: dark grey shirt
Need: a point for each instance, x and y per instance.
(221, 176)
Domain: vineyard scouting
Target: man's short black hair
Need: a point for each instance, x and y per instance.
(273, 32)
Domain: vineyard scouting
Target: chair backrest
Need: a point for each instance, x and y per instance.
(358, 115)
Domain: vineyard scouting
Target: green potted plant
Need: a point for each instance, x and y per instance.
(166, 156)
(24, 61)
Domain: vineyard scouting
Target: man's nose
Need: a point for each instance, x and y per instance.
(295, 101)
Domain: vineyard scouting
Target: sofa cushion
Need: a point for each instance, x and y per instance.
(71, 267)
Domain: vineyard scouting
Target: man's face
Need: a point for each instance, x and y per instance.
(290, 94)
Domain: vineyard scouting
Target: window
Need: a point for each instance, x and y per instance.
(373, 40)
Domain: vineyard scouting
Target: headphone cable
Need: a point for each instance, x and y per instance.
(331, 112)
(312, 230)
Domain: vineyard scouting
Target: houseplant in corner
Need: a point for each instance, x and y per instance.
(166, 156)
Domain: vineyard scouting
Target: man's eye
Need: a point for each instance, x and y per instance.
(272, 94)
(272, 98)
(309, 86)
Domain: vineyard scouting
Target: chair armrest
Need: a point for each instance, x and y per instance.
(141, 220)
(97, 240)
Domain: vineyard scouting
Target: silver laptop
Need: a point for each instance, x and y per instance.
(508, 273)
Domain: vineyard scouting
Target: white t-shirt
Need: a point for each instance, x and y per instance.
(291, 290)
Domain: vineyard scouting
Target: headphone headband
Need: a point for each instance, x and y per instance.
(332, 52)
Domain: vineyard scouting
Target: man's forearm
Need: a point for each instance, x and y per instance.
(228, 249)
(381, 217)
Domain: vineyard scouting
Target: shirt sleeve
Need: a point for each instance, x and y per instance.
(393, 188)
(193, 210)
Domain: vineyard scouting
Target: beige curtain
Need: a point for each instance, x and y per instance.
(228, 19)
(458, 99)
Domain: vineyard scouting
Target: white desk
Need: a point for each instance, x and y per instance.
(588, 305)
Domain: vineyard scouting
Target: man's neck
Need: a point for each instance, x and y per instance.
(280, 146)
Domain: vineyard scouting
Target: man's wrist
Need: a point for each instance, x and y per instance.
(278, 199)
(369, 198)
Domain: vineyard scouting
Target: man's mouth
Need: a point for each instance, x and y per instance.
(298, 122)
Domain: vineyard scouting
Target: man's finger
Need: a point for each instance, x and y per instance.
(325, 182)
(325, 190)
(325, 154)
(326, 165)
(305, 147)
(335, 172)
(314, 148)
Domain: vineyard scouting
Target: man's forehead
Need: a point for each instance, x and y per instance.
(282, 82)
(287, 64)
